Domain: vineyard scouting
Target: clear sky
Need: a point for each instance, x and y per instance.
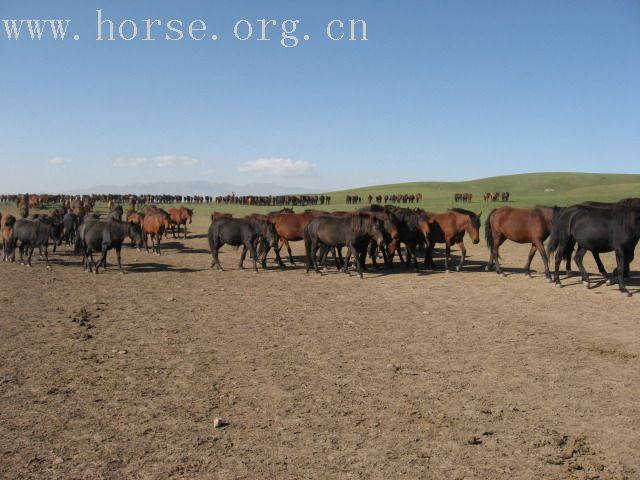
(442, 90)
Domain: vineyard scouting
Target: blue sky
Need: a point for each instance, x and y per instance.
(442, 90)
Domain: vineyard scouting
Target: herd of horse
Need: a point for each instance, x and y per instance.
(372, 232)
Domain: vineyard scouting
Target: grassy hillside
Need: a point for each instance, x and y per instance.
(525, 189)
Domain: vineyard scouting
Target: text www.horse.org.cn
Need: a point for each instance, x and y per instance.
(286, 31)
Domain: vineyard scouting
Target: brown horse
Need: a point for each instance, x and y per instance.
(180, 216)
(216, 215)
(449, 228)
(290, 228)
(7, 229)
(154, 224)
(520, 225)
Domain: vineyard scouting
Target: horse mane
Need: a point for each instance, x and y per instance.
(475, 219)
(360, 222)
(462, 211)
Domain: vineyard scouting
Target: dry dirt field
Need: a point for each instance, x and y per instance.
(399, 375)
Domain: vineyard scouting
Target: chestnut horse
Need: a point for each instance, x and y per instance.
(290, 228)
(154, 224)
(180, 216)
(520, 225)
(449, 228)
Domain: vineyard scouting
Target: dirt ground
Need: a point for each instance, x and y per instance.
(399, 375)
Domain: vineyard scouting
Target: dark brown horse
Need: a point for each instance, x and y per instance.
(520, 225)
(449, 228)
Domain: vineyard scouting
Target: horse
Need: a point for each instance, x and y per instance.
(289, 227)
(633, 201)
(180, 216)
(69, 228)
(115, 213)
(412, 230)
(100, 235)
(7, 228)
(520, 225)
(596, 229)
(237, 232)
(353, 231)
(390, 232)
(155, 224)
(31, 234)
(24, 210)
(448, 228)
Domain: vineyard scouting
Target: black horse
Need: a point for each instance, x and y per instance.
(634, 202)
(596, 229)
(32, 234)
(352, 231)
(102, 236)
(116, 213)
(237, 232)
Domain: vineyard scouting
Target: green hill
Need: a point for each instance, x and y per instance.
(525, 189)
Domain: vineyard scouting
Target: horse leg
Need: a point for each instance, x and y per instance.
(215, 262)
(620, 257)
(286, 243)
(254, 254)
(118, 257)
(446, 256)
(412, 255)
(30, 251)
(527, 266)
(601, 269)
(373, 251)
(44, 253)
(357, 258)
(578, 258)
(567, 254)
(347, 259)
(265, 248)
(242, 256)
(495, 253)
(313, 251)
(342, 261)
(463, 254)
(545, 259)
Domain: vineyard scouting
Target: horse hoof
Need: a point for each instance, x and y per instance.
(549, 280)
(558, 285)
(608, 282)
(458, 269)
(503, 275)
(447, 271)
(626, 294)
(48, 267)
(586, 284)
(486, 268)
(527, 275)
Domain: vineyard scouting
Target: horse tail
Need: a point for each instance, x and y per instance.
(556, 231)
(488, 231)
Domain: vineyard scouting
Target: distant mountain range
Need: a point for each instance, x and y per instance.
(193, 188)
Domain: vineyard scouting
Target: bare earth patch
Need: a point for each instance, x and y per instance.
(399, 375)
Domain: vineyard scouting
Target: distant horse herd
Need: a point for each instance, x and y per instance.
(372, 232)
(466, 197)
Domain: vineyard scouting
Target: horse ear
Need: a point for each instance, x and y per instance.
(480, 214)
